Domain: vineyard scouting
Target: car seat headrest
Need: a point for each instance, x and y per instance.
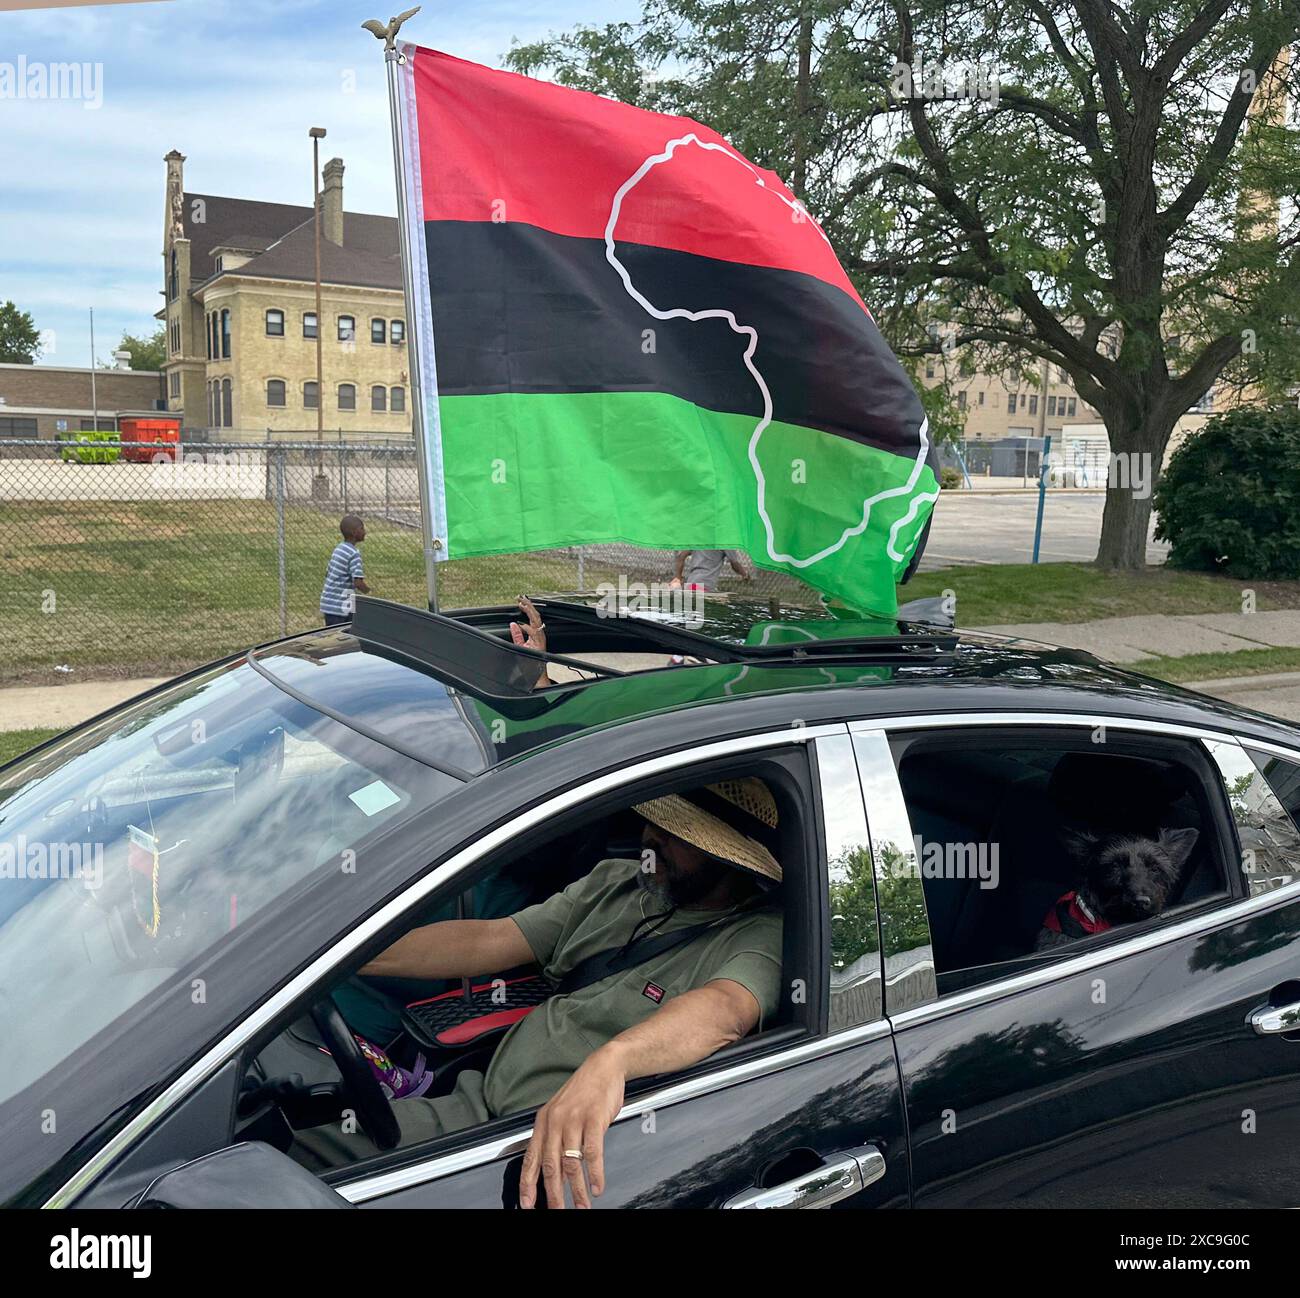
(1111, 791)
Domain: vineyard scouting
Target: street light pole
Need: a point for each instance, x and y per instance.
(94, 400)
(317, 134)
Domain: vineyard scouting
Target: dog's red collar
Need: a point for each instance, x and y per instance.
(1073, 917)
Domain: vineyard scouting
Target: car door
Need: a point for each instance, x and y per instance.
(1153, 1069)
(806, 1122)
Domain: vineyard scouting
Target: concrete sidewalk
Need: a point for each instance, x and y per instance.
(58, 707)
(1135, 639)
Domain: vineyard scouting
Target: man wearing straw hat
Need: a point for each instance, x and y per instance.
(707, 865)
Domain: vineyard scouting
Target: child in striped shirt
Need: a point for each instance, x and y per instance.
(344, 575)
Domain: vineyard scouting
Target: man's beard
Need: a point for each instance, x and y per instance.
(669, 885)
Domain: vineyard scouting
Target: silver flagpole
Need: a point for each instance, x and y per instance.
(394, 59)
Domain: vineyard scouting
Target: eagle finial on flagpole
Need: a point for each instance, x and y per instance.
(389, 34)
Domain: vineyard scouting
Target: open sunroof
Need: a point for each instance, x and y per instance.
(465, 656)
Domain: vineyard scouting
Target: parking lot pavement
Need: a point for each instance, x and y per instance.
(998, 527)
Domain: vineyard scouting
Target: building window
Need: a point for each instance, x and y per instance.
(173, 281)
(1051, 407)
(309, 329)
(211, 404)
(347, 396)
(275, 392)
(12, 426)
(220, 264)
(981, 400)
(378, 330)
(397, 400)
(1074, 405)
(929, 369)
(105, 426)
(347, 329)
(174, 383)
(397, 332)
(1033, 404)
(1011, 403)
(275, 324)
(378, 397)
(961, 400)
(310, 395)
(225, 333)
(227, 404)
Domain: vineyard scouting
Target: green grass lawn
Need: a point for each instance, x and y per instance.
(1208, 667)
(144, 587)
(995, 594)
(14, 743)
(136, 588)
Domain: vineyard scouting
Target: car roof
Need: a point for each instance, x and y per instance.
(475, 708)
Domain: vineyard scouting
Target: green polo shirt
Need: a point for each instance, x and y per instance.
(593, 914)
(543, 1050)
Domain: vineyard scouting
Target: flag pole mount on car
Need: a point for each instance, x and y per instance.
(424, 409)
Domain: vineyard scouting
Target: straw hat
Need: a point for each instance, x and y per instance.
(733, 820)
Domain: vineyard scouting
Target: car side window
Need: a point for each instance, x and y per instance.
(1032, 845)
(1264, 794)
(722, 860)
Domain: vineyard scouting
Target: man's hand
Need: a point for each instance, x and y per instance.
(681, 1032)
(575, 1118)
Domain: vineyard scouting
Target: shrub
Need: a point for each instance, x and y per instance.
(949, 478)
(1229, 501)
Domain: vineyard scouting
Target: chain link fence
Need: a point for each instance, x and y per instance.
(120, 560)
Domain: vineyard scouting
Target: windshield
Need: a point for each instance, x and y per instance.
(135, 851)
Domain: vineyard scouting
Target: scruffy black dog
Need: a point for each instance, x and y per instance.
(1123, 878)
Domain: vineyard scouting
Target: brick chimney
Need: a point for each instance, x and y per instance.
(332, 201)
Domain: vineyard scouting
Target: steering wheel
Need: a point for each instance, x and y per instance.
(360, 1085)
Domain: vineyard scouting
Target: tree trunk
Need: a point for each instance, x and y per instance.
(1137, 452)
(1124, 524)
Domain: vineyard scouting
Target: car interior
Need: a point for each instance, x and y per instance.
(1025, 799)
(293, 1082)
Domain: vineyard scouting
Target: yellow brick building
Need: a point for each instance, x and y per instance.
(240, 315)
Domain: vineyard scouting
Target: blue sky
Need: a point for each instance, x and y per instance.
(232, 84)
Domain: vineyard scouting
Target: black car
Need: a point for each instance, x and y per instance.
(189, 883)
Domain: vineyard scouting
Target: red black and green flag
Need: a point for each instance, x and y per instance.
(631, 333)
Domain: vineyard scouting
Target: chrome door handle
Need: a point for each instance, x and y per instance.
(839, 1176)
(1276, 1018)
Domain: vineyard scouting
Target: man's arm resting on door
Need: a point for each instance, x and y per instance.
(453, 948)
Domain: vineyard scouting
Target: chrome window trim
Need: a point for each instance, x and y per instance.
(274, 1006)
(890, 824)
(1211, 920)
(511, 1143)
(1088, 720)
(1273, 750)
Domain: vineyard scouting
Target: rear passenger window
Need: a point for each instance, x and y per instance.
(1032, 846)
(1264, 793)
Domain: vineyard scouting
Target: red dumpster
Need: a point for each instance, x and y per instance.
(136, 430)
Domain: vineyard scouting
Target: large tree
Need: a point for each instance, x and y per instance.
(1110, 189)
(20, 340)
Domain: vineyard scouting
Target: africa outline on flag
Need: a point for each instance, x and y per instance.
(721, 313)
